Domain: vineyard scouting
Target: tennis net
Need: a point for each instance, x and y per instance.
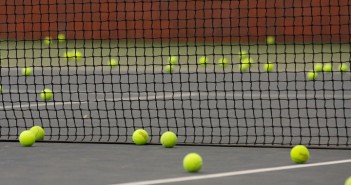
(258, 73)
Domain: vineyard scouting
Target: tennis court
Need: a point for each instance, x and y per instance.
(243, 123)
(54, 163)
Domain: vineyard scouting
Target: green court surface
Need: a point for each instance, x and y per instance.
(151, 56)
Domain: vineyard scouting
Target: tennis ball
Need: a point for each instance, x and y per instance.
(46, 95)
(269, 67)
(113, 63)
(192, 162)
(223, 62)
(27, 71)
(172, 60)
(244, 67)
(47, 40)
(77, 55)
(27, 138)
(243, 54)
(343, 67)
(247, 60)
(170, 68)
(203, 61)
(74, 54)
(299, 154)
(65, 55)
(318, 67)
(327, 68)
(168, 139)
(348, 181)
(140, 137)
(270, 40)
(38, 132)
(312, 75)
(61, 37)
(68, 55)
(0, 88)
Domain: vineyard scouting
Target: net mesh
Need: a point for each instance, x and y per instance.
(197, 68)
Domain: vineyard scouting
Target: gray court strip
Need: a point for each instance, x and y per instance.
(234, 173)
(246, 95)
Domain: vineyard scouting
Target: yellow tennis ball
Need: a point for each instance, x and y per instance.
(327, 68)
(0, 88)
(27, 138)
(343, 67)
(47, 40)
(312, 75)
(318, 67)
(169, 68)
(247, 60)
(140, 137)
(192, 162)
(348, 181)
(203, 61)
(27, 71)
(243, 54)
(244, 67)
(299, 154)
(172, 60)
(77, 55)
(223, 62)
(46, 95)
(65, 55)
(270, 40)
(269, 67)
(38, 132)
(68, 55)
(113, 63)
(61, 37)
(168, 139)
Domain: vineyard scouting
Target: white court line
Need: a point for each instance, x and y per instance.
(189, 94)
(234, 173)
(237, 94)
(289, 95)
(23, 91)
(152, 97)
